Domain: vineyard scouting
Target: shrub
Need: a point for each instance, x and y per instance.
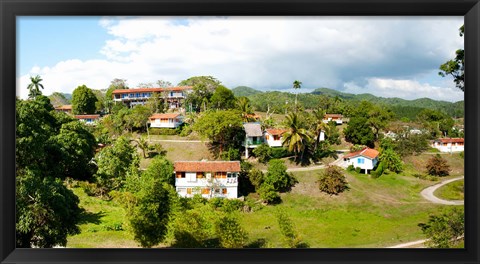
(445, 230)
(263, 153)
(231, 205)
(437, 166)
(379, 170)
(350, 167)
(185, 130)
(358, 169)
(162, 131)
(256, 178)
(332, 180)
(230, 154)
(230, 233)
(278, 153)
(278, 177)
(268, 194)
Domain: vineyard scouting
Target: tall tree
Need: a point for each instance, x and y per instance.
(222, 98)
(296, 85)
(359, 132)
(243, 104)
(83, 100)
(456, 66)
(34, 87)
(297, 137)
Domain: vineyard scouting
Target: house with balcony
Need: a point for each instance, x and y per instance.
(174, 96)
(338, 118)
(168, 120)
(449, 144)
(253, 136)
(88, 119)
(207, 178)
(273, 136)
(366, 159)
(64, 108)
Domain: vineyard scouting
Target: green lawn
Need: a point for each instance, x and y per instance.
(451, 191)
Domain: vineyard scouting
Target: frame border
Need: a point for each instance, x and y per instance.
(9, 9)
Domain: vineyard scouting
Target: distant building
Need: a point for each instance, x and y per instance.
(449, 144)
(338, 118)
(274, 136)
(208, 178)
(64, 108)
(366, 159)
(175, 96)
(169, 120)
(88, 119)
(253, 136)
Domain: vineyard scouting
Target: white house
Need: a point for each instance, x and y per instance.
(253, 136)
(208, 178)
(449, 144)
(366, 159)
(169, 120)
(175, 96)
(88, 119)
(273, 136)
(338, 118)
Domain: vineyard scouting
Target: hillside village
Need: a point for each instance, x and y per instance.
(248, 162)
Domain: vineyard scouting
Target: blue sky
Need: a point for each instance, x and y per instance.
(385, 56)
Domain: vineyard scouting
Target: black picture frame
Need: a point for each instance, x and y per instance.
(9, 9)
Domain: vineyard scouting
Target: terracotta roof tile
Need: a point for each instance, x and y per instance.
(167, 115)
(207, 166)
(366, 152)
(333, 116)
(144, 90)
(87, 116)
(275, 131)
(451, 140)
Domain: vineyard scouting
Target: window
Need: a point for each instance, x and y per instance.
(217, 190)
(205, 191)
(224, 191)
(199, 174)
(171, 94)
(138, 95)
(222, 175)
(132, 95)
(191, 176)
(231, 175)
(361, 161)
(189, 190)
(276, 137)
(180, 174)
(267, 137)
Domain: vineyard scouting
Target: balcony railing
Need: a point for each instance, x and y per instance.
(254, 142)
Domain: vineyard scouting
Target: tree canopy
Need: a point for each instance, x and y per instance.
(456, 67)
(83, 100)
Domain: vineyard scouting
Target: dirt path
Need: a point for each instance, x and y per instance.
(413, 244)
(427, 193)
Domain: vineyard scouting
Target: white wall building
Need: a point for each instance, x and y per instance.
(253, 136)
(338, 118)
(169, 120)
(273, 136)
(366, 159)
(88, 119)
(174, 96)
(208, 178)
(449, 144)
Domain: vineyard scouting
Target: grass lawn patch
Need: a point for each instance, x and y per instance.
(416, 164)
(451, 191)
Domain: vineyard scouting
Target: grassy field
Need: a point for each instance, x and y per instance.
(451, 191)
(416, 164)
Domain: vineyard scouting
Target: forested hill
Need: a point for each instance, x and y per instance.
(58, 99)
(403, 108)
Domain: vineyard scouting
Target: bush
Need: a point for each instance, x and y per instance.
(425, 177)
(231, 154)
(263, 153)
(162, 131)
(268, 194)
(379, 170)
(230, 233)
(278, 153)
(256, 178)
(332, 180)
(278, 177)
(350, 167)
(438, 166)
(185, 130)
(358, 169)
(445, 230)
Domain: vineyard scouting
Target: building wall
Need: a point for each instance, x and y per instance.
(338, 121)
(198, 185)
(172, 123)
(271, 142)
(368, 163)
(449, 147)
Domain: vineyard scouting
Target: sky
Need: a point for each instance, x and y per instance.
(384, 56)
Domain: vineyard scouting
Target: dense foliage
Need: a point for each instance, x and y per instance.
(437, 166)
(445, 230)
(83, 100)
(332, 180)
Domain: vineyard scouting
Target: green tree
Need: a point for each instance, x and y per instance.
(268, 194)
(83, 100)
(359, 132)
(445, 230)
(297, 138)
(391, 160)
(161, 169)
(256, 177)
(114, 162)
(223, 128)
(209, 82)
(222, 98)
(115, 84)
(263, 152)
(230, 232)
(243, 105)
(437, 166)
(332, 181)
(456, 66)
(137, 117)
(34, 87)
(278, 177)
(46, 211)
(198, 98)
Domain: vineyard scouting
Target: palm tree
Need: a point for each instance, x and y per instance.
(34, 86)
(296, 139)
(243, 104)
(319, 125)
(296, 85)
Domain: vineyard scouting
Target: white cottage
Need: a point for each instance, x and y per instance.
(366, 159)
(338, 118)
(208, 178)
(169, 120)
(273, 136)
(449, 144)
(88, 119)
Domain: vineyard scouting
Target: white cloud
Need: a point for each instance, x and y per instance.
(406, 89)
(265, 53)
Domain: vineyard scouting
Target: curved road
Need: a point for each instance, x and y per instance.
(427, 193)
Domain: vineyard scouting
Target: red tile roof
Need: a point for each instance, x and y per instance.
(64, 107)
(276, 131)
(207, 166)
(332, 116)
(144, 90)
(451, 140)
(366, 152)
(160, 116)
(87, 116)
